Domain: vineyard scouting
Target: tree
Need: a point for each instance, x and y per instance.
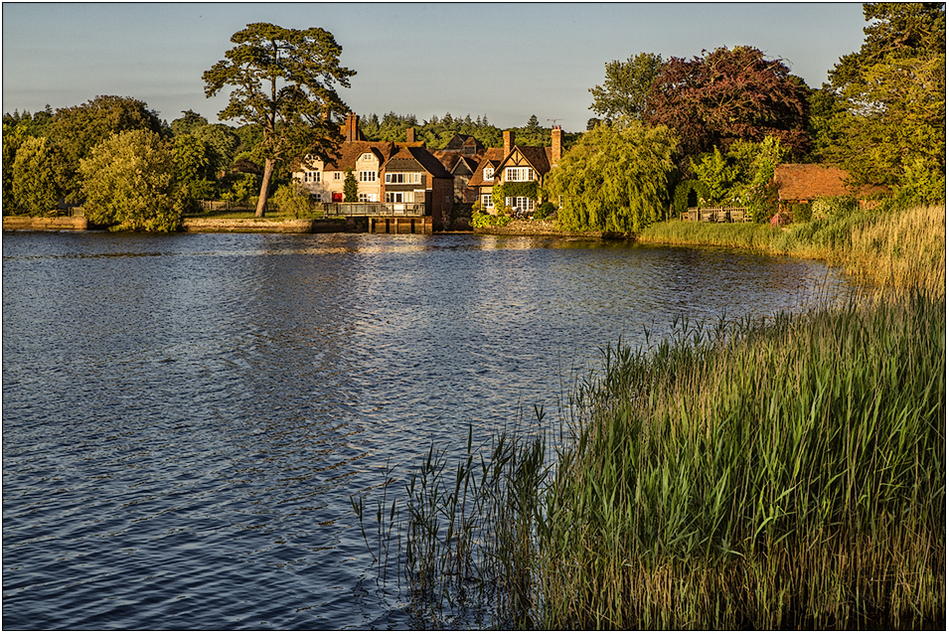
(192, 166)
(78, 129)
(729, 94)
(614, 179)
(222, 144)
(350, 187)
(37, 181)
(283, 81)
(883, 113)
(187, 123)
(129, 181)
(626, 87)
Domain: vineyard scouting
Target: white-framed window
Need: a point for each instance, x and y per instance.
(488, 173)
(311, 177)
(337, 176)
(367, 176)
(486, 201)
(368, 198)
(400, 197)
(399, 178)
(520, 202)
(519, 174)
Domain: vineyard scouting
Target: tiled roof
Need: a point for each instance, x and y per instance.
(348, 153)
(809, 181)
(492, 156)
(424, 158)
(538, 157)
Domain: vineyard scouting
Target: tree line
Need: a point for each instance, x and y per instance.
(714, 127)
(720, 123)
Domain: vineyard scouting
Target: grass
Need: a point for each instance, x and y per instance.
(789, 474)
(900, 248)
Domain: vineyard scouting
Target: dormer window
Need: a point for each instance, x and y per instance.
(488, 173)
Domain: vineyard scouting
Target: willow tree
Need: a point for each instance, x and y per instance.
(614, 179)
(284, 81)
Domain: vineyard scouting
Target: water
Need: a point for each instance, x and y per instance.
(185, 417)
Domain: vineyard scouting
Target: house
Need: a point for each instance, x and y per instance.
(415, 181)
(404, 176)
(519, 170)
(803, 183)
(460, 157)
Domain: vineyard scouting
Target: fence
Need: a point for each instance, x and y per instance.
(717, 214)
(371, 209)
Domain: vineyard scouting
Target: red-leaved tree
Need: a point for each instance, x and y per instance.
(729, 94)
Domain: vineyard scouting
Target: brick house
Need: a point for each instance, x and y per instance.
(515, 164)
(403, 175)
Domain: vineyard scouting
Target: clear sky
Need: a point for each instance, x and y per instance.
(503, 60)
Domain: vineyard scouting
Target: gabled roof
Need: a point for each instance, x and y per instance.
(424, 158)
(492, 157)
(537, 157)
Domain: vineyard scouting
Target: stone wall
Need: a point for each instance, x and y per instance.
(40, 223)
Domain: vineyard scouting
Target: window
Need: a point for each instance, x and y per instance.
(367, 176)
(488, 173)
(368, 198)
(337, 176)
(520, 202)
(399, 178)
(486, 202)
(400, 197)
(311, 177)
(519, 174)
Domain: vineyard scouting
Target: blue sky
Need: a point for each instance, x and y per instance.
(503, 60)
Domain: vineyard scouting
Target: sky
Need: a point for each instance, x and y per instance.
(505, 61)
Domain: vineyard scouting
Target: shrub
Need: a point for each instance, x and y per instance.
(545, 210)
(800, 212)
(292, 199)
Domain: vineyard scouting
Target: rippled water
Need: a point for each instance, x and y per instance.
(186, 416)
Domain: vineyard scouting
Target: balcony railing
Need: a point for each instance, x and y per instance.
(372, 209)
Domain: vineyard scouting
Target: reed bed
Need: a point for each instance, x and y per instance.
(781, 476)
(901, 248)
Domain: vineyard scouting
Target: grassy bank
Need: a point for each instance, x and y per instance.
(899, 248)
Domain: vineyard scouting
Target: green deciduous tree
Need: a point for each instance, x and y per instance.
(192, 166)
(187, 123)
(78, 129)
(614, 179)
(284, 81)
(882, 116)
(222, 143)
(626, 87)
(37, 177)
(129, 182)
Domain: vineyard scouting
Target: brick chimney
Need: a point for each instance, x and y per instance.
(556, 145)
(508, 141)
(410, 135)
(352, 127)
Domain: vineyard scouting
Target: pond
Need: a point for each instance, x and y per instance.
(185, 417)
